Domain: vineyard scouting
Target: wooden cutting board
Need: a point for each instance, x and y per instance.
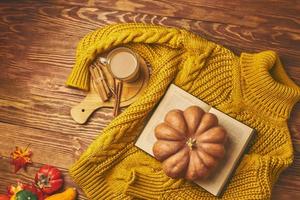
(131, 91)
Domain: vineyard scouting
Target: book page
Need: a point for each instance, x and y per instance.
(239, 135)
(175, 98)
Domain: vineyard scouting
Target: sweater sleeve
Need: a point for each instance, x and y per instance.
(97, 42)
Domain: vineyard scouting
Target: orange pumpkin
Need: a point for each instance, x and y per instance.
(190, 143)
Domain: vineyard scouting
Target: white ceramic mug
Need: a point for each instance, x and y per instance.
(123, 64)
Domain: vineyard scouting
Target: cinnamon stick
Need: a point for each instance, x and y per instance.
(119, 96)
(98, 84)
(118, 90)
(108, 77)
(100, 67)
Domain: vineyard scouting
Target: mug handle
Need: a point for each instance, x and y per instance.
(103, 60)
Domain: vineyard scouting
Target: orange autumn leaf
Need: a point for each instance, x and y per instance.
(13, 190)
(21, 158)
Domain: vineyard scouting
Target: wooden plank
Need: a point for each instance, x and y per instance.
(266, 7)
(280, 193)
(262, 34)
(43, 102)
(46, 145)
(74, 22)
(241, 13)
(7, 177)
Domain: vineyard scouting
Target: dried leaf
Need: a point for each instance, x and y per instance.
(21, 158)
(13, 190)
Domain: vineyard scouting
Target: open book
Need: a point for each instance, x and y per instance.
(239, 136)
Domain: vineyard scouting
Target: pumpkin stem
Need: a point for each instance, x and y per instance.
(191, 142)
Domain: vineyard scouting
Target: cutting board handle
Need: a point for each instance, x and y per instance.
(81, 112)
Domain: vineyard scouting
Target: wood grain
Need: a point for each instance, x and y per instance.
(37, 51)
(237, 37)
(65, 148)
(244, 13)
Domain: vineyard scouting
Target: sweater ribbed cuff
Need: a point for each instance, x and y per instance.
(85, 174)
(144, 186)
(151, 185)
(269, 171)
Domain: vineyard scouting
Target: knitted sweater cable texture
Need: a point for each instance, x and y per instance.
(252, 88)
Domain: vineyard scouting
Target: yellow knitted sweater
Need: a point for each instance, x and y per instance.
(253, 88)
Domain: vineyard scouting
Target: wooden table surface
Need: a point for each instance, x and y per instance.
(37, 52)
